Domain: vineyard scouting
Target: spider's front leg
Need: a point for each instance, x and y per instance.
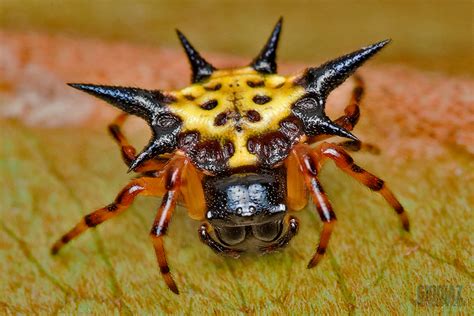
(128, 151)
(167, 184)
(139, 186)
(172, 182)
(309, 167)
(345, 162)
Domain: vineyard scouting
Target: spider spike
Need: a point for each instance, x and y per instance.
(143, 103)
(201, 69)
(323, 79)
(151, 150)
(332, 128)
(150, 105)
(265, 62)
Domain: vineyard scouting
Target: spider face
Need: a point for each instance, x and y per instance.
(236, 147)
(247, 210)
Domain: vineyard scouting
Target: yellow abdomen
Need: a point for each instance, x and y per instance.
(234, 107)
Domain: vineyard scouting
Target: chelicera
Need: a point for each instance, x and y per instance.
(241, 148)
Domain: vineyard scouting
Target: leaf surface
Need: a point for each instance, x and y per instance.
(50, 177)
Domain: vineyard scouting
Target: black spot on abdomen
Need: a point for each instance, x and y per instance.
(253, 116)
(261, 99)
(220, 119)
(209, 105)
(255, 84)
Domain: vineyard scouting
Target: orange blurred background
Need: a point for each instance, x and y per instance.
(431, 35)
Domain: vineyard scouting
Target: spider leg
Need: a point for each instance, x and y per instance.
(139, 186)
(167, 184)
(353, 145)
(351, 112)
(309, 167)
(293, 226)
(345, 162)
(205, 235)
(173, 179)
(297, 194)
(128, 151)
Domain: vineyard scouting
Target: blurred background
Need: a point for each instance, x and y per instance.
(431, 35)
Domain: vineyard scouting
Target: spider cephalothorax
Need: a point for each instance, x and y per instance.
(235, 144)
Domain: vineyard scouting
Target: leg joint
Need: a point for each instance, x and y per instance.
(112, 207)
(321, 250)
(158, 230)
(165, 269)
(115, 131)
(90, 220)
(376, 184)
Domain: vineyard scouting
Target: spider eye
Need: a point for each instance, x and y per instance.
(268, 231)
(231, 235)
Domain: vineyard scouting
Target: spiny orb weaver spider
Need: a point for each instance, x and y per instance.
(235, 145)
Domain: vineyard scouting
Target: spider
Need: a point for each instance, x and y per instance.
(241, 148)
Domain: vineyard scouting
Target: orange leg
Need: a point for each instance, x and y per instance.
(346, 163)
(309, 167)
(353, 145)
(140, 186)
(163, 217)
(352, 111)
(297, 194)
(128, 151)
(351, 117)
(167, 184)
